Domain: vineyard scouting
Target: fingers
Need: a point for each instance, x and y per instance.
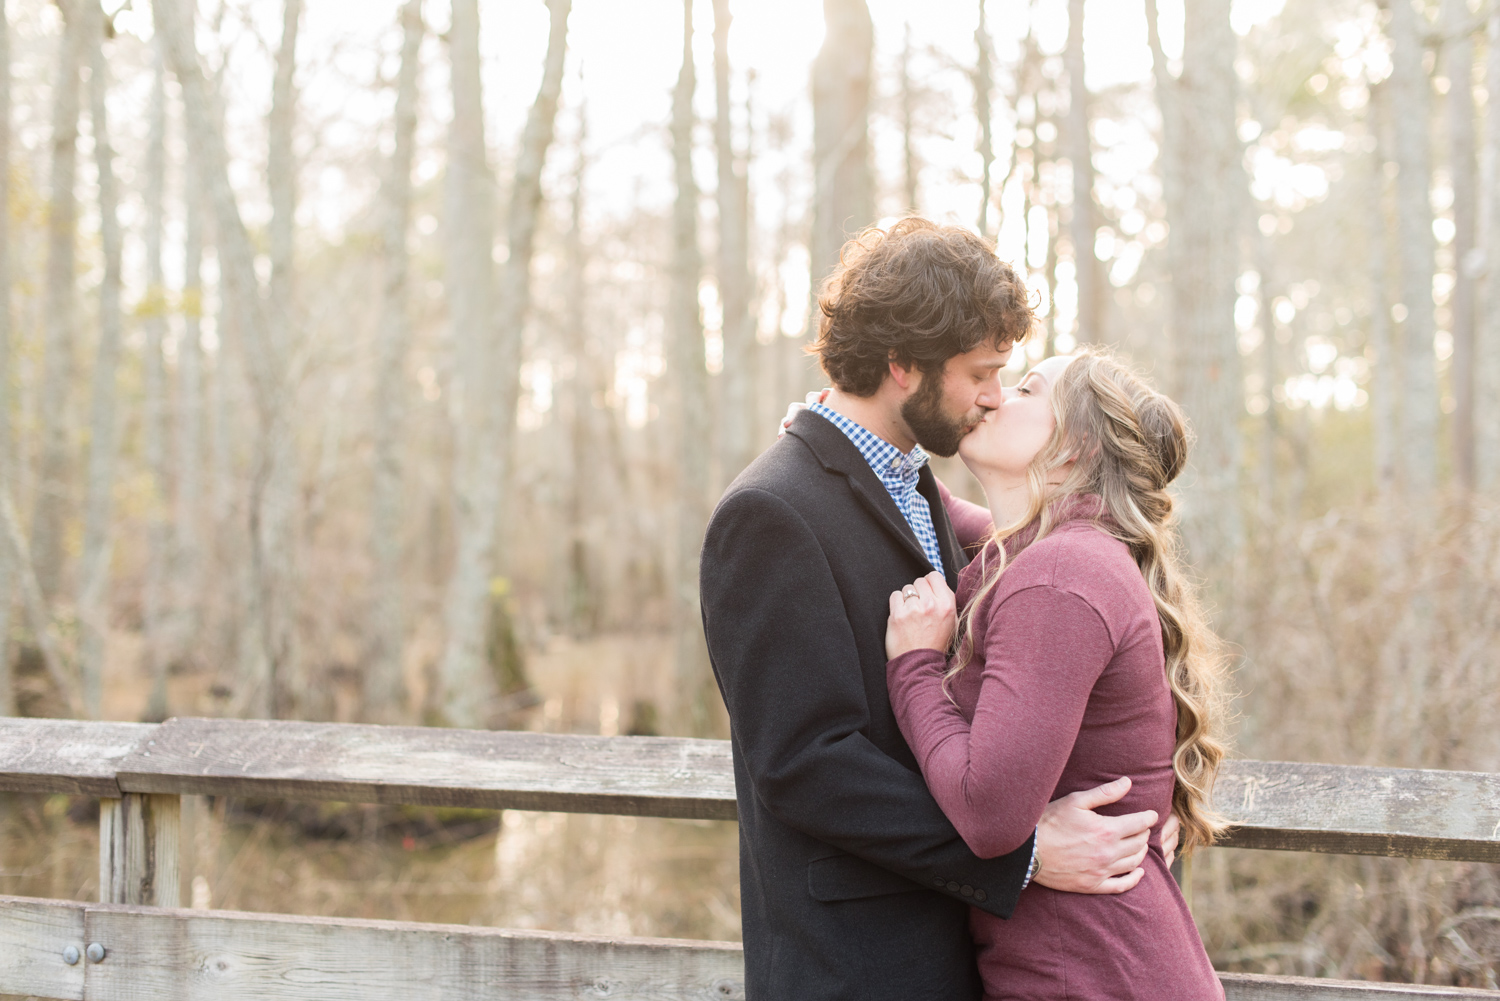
(1137, 855)
(1171, 828)
(924, 590)
(1132, 824)
(1119, 884)
(1109, 792)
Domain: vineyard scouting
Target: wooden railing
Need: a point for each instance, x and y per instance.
(139, 946)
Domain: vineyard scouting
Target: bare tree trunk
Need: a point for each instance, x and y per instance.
(187, 546)
(582, 594)
(93, 599)
(1418, 434)
(59, 308)
(486, 450)
(685, 327)
(1487, 347)
(385, 689)
(1079, 149)
(1169, 105)
(158, 558)
(909, 165)
(270, 668)
(1459, 57)
(984, 88)
(1270, 428)
(470, 230)
(38, 615)
(735, 283)
(844, 189)
(1383, 386)
(247, 313)
(1203, 209)
(8, 565)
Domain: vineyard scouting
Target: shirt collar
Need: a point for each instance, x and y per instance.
(886, 459)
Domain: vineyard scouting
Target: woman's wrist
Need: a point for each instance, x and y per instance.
(916, 659)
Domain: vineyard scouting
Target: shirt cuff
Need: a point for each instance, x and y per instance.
(1030, 869)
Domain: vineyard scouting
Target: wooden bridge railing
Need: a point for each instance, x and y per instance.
(139, 946)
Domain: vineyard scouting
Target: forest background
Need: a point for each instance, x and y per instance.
(383, 361)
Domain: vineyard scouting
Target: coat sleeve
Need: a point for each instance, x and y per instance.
(788, 666)
(1043, 652)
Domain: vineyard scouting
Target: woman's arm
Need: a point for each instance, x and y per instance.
(1045, 649)
(971, 522)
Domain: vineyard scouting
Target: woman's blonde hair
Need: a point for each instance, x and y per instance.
(1127, 442)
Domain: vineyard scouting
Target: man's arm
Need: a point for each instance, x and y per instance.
(789, 668)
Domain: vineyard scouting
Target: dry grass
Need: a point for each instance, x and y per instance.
(1369, 638)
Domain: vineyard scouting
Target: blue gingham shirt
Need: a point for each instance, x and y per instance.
(898, 472)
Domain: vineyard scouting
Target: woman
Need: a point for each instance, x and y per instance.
(1080, 657)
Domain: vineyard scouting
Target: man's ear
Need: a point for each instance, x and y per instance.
(905, 376)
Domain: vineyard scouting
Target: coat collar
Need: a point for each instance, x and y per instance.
(839, 455)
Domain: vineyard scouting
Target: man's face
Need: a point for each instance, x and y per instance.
(949, 404)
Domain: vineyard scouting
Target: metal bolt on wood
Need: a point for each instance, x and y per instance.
(95, 952)
(70, 955)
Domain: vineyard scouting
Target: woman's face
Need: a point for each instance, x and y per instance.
(1009, 438)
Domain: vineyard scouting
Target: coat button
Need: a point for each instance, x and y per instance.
(937, 881)
(980, 895)
(952, 887)
(967, 891)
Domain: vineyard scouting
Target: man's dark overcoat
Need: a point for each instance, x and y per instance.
(853, 884)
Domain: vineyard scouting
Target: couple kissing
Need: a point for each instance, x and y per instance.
(967, 739)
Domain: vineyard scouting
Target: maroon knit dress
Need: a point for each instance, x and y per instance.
(1065, 690)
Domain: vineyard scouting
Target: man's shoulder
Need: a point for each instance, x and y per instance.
(788, 470)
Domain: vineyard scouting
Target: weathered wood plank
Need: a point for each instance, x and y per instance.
(1249, 987)
(424, 766)
(154, 954)
(33, 935)
(139, 855)
(76, 757)
(183, 955)
(1279, 805)
(1350, 809)
(157, 954)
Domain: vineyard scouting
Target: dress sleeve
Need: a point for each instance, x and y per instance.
(971, 522)
(1045, 648)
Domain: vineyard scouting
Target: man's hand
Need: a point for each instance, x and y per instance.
(1170, 829)
(1080, 851)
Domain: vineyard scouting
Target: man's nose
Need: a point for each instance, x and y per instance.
(991, 393)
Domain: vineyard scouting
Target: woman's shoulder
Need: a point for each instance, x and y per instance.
(1079, 557)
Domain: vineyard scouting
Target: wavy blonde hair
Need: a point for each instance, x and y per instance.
(1127, 443)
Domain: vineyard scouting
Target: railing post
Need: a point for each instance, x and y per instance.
(139, 856)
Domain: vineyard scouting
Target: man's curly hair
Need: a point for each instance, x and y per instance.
(916, 294)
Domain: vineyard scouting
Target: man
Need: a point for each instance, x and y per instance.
(853, 883)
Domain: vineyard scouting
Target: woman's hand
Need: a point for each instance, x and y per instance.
(924, 615)
(817, 396)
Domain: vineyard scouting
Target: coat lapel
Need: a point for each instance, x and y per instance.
(838, 455)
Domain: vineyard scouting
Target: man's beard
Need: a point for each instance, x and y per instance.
(923, 412)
